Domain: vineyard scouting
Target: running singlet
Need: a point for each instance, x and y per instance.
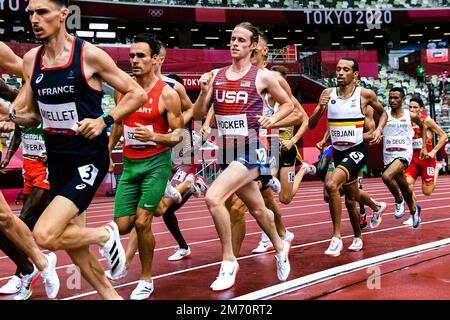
(417, 139)
(64, 97)
(398, 135)
(149, 116)
(345, 120)
(169, 81)
(33, 143)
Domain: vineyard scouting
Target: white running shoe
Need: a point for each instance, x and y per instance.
(118, 277)
(289, 236)
(356, 245)
(180, 254)
(202, 183)
(263, 246)
(310, 169)
(113, 251)
(50, 277)
(172, 193)
(335, 247)
(408, 222)
(143, 290)
(376, 216)
(194, 189)
(399, 209)
(28, 282)
(274, 184)
(12, 286)
(227, 276)
(283, 265)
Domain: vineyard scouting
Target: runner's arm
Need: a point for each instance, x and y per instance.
(10, 61)
(187, 106)
(372, 100)
(204, 99)
(432, 125)
(320, 109)
(7, 92)
(15, 143)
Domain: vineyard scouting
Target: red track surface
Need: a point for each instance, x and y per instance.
(421, 276)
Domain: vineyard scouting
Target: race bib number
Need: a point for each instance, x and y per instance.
(261, 155)
(417, 144)
(88, 174)
(356, 156)
(395, 143)
(130, 139)
(430, 171)
(343, 135)
(34, 148)
(59, 118)
(235, 125)
(180, 175)
(291, 176)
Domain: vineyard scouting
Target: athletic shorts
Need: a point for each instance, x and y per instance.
(423, 167)
(404, 161)
(77, 178)
(35, 174)
(256, 158)
(142, 184)
(288, 157)
(180, 172)
(351, 161)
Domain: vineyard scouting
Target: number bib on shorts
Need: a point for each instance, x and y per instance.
(233, 125)
(131, 141)
(59, 118)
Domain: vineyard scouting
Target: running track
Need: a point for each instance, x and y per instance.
(426, 273)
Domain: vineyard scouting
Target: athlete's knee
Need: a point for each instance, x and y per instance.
(286, 198)
(6, 220)
(143, 223)
(258, 213)
(46, 239)
(427, 191)
(386, 177)
(331, 187)
(212, 200)
(237, 215)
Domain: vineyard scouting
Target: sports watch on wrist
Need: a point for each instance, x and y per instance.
(109, 120)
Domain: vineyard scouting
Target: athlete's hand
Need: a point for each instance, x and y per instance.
(205, 131)
(266, 122)
(4, 112)
(205, 81)
(323, 101)
(3, 165)
(91, 128)
(427, 155)
(142, 134)
(287, 144)
(377, 136)
(111, 165)
(7, 126)
(320, 145)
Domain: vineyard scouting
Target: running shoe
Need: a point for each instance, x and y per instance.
(274, 184)
(194, 189)
(335, 247)
(376, 216)
(363, 221)
(118, 277)
(227, 276)
(310, 169)
(50, 277)
(356, 245)
(180, 254)
(202, 183)
(12, 286)
(408, 222)
(283, 265)
(172, 193)
(28, 282)
(263, 246)
(399, 209)
(143, 290)
(113, 251)
(416, 217)
(289, 236)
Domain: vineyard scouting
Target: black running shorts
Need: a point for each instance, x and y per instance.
(351, 160)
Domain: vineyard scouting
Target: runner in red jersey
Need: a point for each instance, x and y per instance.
(424, 162)
(236, 92)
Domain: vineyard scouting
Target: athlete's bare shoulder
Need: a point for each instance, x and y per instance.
(28, 60)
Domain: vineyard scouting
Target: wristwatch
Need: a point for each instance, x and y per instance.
(12, 113)
(109, 120)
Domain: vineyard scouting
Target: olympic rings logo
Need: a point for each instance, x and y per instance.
(156, 13)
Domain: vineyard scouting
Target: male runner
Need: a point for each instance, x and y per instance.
(237, 91)
(146, 155)
(63, 90)
(347, 105)
(398, 152)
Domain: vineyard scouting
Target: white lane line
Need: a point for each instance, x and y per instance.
(318, 277)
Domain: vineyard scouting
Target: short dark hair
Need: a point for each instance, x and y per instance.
(281, 70)
(263, 36)
(175, 77)
(418, 100)
(355, 63)
(153, 43)
(398, 89)
(250, 27)
(61, 3)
